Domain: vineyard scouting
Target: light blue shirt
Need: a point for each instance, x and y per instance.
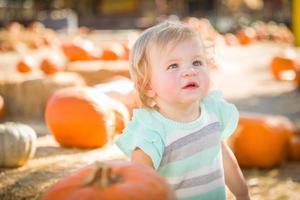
(188, 154)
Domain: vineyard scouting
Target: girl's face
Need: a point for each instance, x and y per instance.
(179, 74)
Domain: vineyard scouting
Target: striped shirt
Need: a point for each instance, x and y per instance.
(189, 154)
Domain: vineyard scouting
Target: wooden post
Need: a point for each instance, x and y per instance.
(296, 21)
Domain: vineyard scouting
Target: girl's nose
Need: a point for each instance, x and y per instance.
(190, 71)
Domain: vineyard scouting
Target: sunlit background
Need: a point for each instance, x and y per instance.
(64, 74)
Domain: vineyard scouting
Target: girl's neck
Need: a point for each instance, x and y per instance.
(181, 113)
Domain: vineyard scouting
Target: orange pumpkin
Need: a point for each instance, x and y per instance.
(246, 36)
(261, 141)
(108, 54)
(117, 180)
(26, 64)
(49, 67)
(294, 147)
(284, 68)
(82, 117)
(74, 52)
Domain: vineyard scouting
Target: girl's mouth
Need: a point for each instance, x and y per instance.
(191, 85)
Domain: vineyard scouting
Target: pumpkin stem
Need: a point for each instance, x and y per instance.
(102, 176)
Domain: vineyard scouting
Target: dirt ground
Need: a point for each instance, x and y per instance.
(245, 80)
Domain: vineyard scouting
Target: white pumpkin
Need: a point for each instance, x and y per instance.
(17, 144)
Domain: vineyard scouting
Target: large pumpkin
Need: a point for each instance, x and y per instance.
(118, 180)
(82, 117)
(261, 141)
(17, 144)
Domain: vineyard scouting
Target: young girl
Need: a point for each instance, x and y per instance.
(181, 128)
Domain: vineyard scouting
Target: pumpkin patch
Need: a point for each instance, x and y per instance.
(117, 180)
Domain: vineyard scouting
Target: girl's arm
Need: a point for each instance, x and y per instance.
(233, 175)
(141, 157)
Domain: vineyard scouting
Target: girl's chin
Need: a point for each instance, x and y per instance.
(189, 101)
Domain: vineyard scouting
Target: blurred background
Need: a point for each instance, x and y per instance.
(225, 15)
(64, 74)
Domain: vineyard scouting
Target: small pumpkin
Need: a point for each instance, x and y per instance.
(80, 49)
(49, 66)
(74, 52)
(117, 180)
(284, 68)
(246, 36)
(18, 144)
(26, 64)
(108, 54)
(82, 117)
(260, 140)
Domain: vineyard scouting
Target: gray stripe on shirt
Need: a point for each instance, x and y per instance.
(200, 180)
(192, 143)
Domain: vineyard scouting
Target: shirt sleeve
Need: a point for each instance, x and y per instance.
(138, 135)
(226, 112)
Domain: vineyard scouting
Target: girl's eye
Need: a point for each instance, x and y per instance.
(172, 66)
(197, 63)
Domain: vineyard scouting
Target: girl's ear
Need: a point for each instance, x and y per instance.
(149, 91)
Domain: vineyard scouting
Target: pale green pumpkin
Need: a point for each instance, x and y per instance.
(17, 144)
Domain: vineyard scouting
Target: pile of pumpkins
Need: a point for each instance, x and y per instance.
(81, 49)
(261, 31)
(16, 37)
(48, 66)
(77, 116)
(264, 141)
(76, 50)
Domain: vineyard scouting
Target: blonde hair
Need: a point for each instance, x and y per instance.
(159, 36)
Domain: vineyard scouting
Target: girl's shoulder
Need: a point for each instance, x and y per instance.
(143, 115)
(143, 118)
